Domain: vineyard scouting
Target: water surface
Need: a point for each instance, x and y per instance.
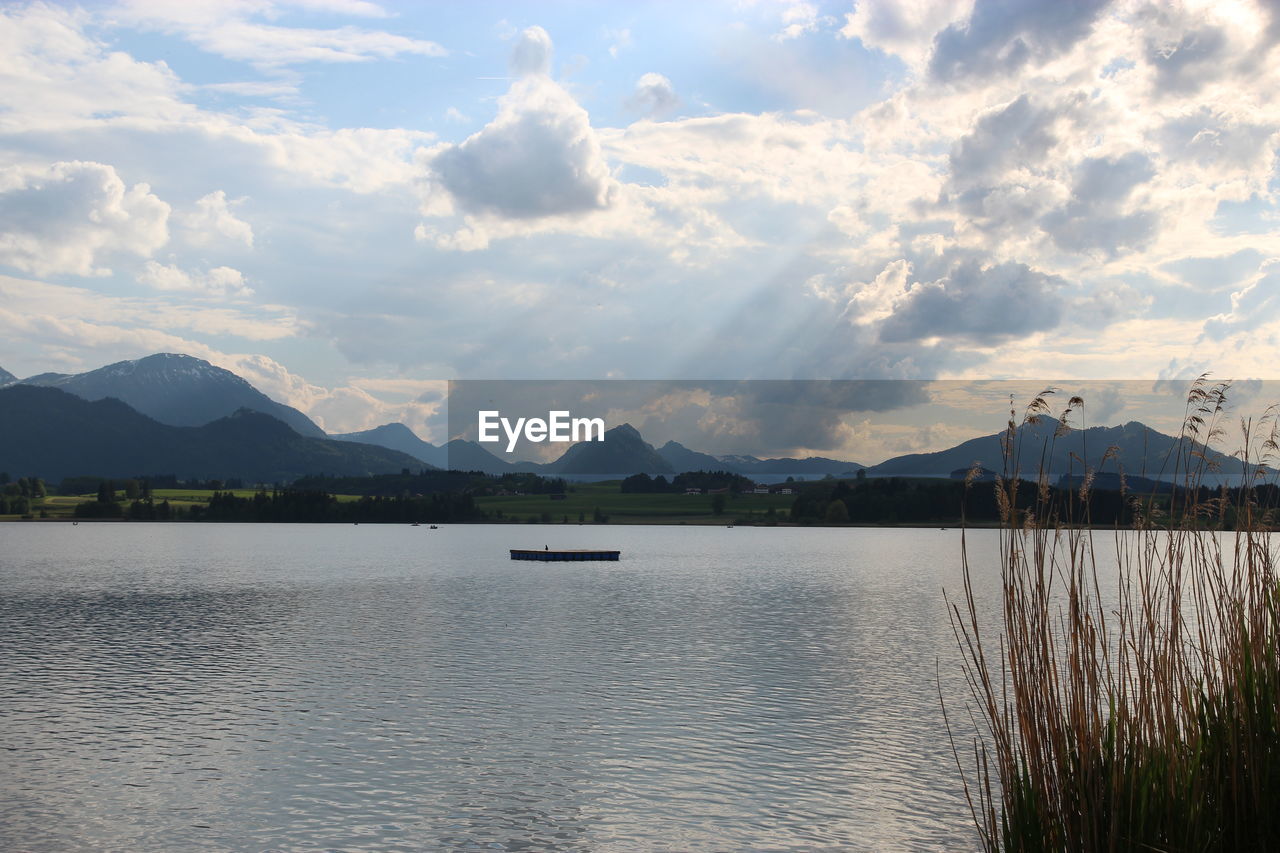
(280, 687)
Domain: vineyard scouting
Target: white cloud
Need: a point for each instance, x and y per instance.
(344, 408)
(653, 96)
(532, 53)
(233, 30)
(1254, 305)
(620, 40)
(48, 324)
(55, 75)
(68, 89)
(904, 28)
(63, 217)
(799, 18)
(219, 281)
(212, 218)
(538, 158)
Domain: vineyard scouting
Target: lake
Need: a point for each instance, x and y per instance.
(286, 687)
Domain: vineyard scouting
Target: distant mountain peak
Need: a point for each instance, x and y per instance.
(397, 436)
(622, 452)
(176, 389)
(7, 378)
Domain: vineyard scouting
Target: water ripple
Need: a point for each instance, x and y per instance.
(381, 688)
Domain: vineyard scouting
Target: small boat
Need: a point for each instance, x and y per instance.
(417, 524)
(433, 527)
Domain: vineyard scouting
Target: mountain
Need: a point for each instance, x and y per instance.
(56, 434)
(456, 455)
(399, 437)
(622, 452)
(470, 456)
(178, 390)
(1141, 450)
(6, 378)
(811, 465)
(682, 459)
(736, 461)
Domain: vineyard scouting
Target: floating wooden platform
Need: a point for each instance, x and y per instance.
(573, 554)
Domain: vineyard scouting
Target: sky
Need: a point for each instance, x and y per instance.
(351, 202)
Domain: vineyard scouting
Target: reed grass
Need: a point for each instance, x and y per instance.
(1144, 716)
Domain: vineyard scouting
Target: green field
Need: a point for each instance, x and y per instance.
(621, 508)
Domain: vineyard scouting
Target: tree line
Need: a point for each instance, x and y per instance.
(703, 480)
(893, 500)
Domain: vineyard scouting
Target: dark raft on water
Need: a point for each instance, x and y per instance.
(547, 555)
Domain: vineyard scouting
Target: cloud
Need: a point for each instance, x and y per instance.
(1255, 304)
(1002, 36)
(62, 217)
(233, 31)
(1185, 66)
(977, 303)
(800, 18)
(653, 96)
(532, 53)
(219, 281)
(1017, 136)
(56, 75)
(212, 218)
(339, 409)
(620, 40)
(46, 324)
(904, 28)
(1097, 216)
(538, 158)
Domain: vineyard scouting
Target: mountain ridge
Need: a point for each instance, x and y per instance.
(62, 435)
(175, 389)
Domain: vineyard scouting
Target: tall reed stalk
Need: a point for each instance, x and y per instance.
(1144, 716)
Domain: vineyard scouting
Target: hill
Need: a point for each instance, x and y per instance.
(456, 455)
(397, 436)
(622, 452)
(178, 390)
(681, 458)
(6, 377)
(53, 434)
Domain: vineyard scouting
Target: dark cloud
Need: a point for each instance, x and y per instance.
(1184, 67)
(1094, 218)
(986, 183)
(1001, 36)
(1020, 133)
(974, 302)
(1210, 138)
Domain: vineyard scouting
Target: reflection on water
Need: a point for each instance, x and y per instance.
(395, 688)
